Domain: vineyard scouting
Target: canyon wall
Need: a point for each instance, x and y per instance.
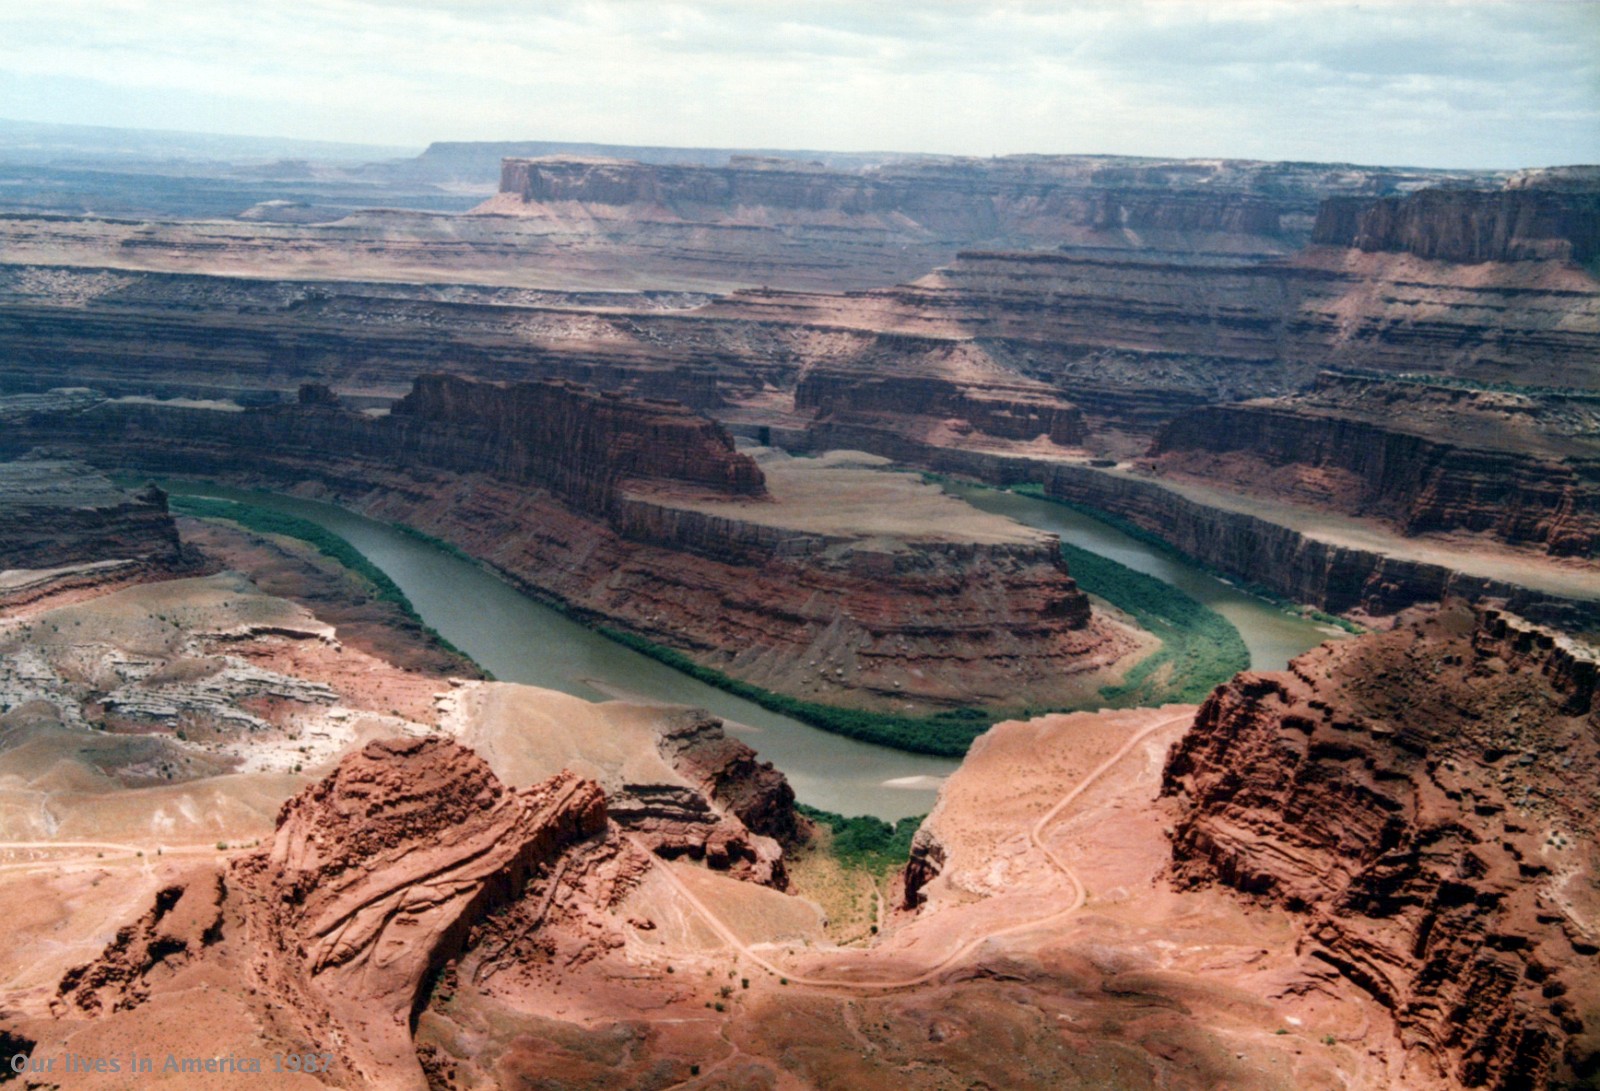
(1299, 565)
(1086, 200)
(1541, 216)
(1130, 335)
(56, 512)
(914, 386)
(579, 443)
(1425, 799)
(1521, 468)
(901, 621)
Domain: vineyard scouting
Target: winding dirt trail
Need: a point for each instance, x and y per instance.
(1035, 836)
(122, 851)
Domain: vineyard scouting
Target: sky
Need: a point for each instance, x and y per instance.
(1442, 84)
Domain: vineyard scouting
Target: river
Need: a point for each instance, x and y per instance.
(522, 640)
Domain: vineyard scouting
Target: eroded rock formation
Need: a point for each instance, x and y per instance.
(642, 514)
(57, 512)
(378, 872)
(1042, 200)
(1521, 467)
(1539, 216)
(375, 879)
(1425, 799)
(1293, 556)
(578, 443)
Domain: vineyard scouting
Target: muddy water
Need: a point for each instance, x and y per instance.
(522, 640)
(1273, 636)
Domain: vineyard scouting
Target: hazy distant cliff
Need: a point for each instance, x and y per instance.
(1541, 218)
(1095, 200)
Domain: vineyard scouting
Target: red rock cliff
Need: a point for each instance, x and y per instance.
(377, 876)
(577, 442)
(1426, 798)
(1534, 219)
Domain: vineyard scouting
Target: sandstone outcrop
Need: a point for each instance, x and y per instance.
(1539, 216)
(375, 879)
(729, 773)
(378, 872)
(1521, 467)
(1293, 556)
(1425, 799)
(672, 776)
(918, 392)
(185, 920)
(578, 443)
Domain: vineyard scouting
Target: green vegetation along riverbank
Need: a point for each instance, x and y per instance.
(945, 734)
(1161, 545)
(1200, 649)
(867, 843)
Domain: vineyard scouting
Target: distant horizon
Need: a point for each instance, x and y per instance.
(1464, 85)
(417, 150)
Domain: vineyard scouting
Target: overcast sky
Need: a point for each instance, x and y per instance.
(1466, 84)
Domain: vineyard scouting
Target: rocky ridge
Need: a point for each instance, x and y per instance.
(1291, 557)
(341, 923)
(1460, 754)
(580, 444)
(65, 526)
(1040, 199)
(56, 512)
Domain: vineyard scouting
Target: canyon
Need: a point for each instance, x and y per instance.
(642, 514)
(612, 917)
(62, 523)
(249, 806)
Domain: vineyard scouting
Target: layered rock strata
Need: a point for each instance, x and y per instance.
(1522, 468)
(1538, 216)
(915, 391)
(666, 537)
(1085, 200)
(1132, 341)
(1289, 553)
(1131, 334)
(1425, 799)
(674, 779)
(578, 443)
(375, 879)
(56, 512)
(64, 525)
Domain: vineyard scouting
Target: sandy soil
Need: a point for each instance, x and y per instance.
(528, 735)
(714, 983)
(847, 494)
(1050, 951)
(289, 568)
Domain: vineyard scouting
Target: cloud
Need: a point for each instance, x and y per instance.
(1460, 84)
